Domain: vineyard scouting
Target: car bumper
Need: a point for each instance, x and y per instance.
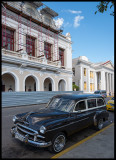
(25, 139)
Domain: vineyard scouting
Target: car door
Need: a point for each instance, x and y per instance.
(79, 117)
(91, 109)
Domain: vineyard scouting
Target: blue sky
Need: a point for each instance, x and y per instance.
(92, 34)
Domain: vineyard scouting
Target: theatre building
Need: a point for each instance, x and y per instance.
(93, 76)
(36, 56)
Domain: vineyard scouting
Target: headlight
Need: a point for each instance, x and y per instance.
(42, 129)
(14, 118)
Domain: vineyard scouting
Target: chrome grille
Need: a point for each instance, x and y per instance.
(24, 130)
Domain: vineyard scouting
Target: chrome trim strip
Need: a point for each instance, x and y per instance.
(27, 128)
(67, 124)
(79, 120)
(95, 108)
(40, 136)
(25, 131)
(87, 109)
(40, 144)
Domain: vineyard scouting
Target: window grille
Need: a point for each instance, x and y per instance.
(30, 45)
(61, 56)
(8, 39)
(47, 50)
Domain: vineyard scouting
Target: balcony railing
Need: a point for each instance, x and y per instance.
(11, 53)
(30, 58)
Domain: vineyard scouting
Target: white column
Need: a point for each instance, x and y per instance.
(88, 80)
(69, 86)
(103, 83)
(100, 79)
(81, 78)
(95, 87)
(110, 81)
(113, 83)
(107, 83)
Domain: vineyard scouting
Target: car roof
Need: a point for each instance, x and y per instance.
(78, 96)
(100, 90)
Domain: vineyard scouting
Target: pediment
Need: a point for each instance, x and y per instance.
(109, 65)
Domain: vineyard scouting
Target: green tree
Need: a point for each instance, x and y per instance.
(103, 6)
(75, 87)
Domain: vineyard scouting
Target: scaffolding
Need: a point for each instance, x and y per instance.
(44, 32)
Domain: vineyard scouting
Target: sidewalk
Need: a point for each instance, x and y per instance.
(98, 146)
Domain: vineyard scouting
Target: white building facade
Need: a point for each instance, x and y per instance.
(35, 54)
(93, 76)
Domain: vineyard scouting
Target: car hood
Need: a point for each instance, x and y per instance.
(42, 116)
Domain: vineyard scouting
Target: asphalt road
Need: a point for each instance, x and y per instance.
(12, 148)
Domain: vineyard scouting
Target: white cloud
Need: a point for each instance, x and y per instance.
(59, 22)
(77, 20)
(74, 12)
(67, 24)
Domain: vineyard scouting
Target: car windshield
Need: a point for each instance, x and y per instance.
(61, 104)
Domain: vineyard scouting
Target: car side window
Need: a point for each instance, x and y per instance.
(91, 103)
(100, 102)
(80, 106)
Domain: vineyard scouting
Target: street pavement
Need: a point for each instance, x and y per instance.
(15, 149)
(98, 146)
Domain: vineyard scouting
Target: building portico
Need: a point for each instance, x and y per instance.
(93, 76)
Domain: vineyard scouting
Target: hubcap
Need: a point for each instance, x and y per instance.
(59, 143)
(100, 124)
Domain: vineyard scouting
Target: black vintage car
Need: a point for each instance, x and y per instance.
(63, 115)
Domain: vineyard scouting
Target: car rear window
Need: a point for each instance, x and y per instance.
(103, 91)
(91, 103)
(80, 106)
(97, 92)
(100, 102)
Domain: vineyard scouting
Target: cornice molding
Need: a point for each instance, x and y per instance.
(27, 63)
(92, 65)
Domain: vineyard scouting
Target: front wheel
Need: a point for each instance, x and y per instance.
(99, 124)
(58, 143)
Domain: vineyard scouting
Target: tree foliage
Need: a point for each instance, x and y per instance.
(103, 6)
(75, 87)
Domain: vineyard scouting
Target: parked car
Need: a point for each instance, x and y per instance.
(64, 115)
(102, 92)
(110, 104)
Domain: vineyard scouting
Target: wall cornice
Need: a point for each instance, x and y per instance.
(99, 67)
(27, 63)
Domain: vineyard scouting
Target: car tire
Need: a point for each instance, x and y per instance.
(99, 125)
(58, 143)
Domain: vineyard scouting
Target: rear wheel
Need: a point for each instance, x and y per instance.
(58, 143)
